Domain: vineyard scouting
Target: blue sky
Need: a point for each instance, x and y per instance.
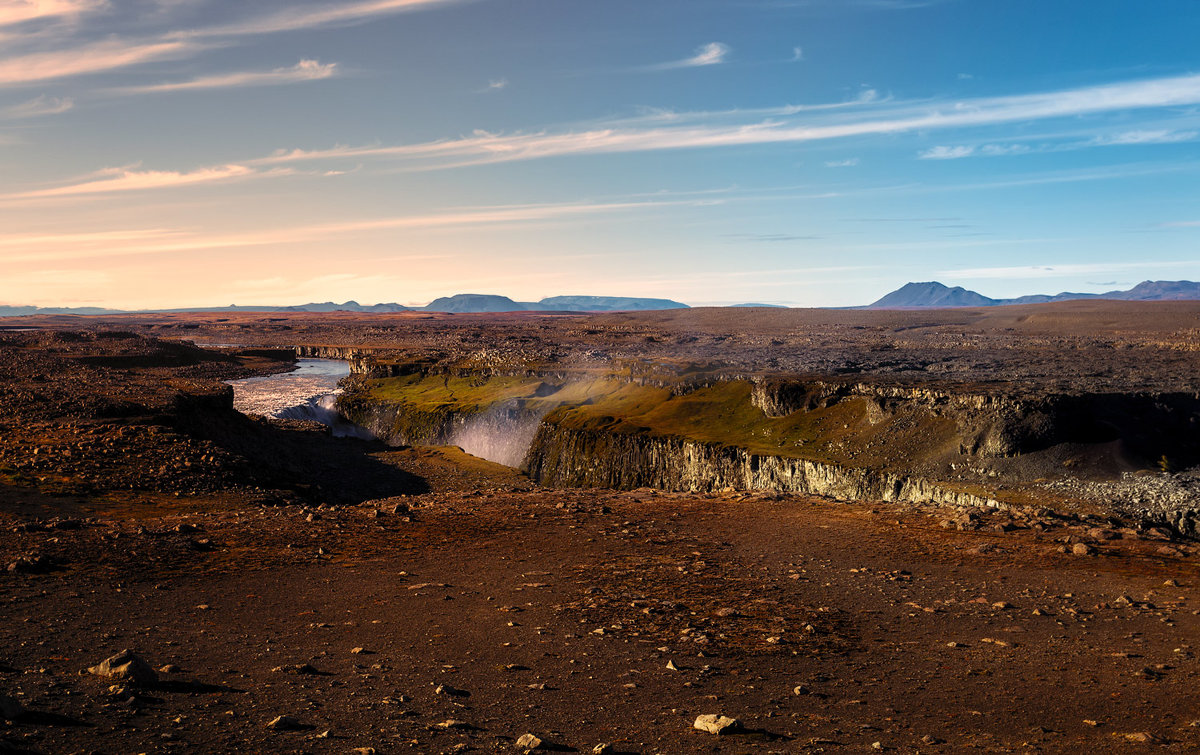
(164, 153)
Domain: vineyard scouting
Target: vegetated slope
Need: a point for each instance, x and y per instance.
(849, 438)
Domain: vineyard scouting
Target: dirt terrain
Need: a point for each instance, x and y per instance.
(421, 600)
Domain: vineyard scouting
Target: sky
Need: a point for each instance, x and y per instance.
(178, 153)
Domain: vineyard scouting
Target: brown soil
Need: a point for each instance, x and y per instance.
(153, 518)
(562, 622)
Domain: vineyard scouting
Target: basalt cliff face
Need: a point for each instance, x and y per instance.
(975, 445)
(565, 457)
(995, 424)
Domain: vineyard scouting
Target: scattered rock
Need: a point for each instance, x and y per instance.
(285, 723)
(1083, 549)
(126, 665)
(446, 689)
(604, 748)
(529, 742)
(1143, 737)
(716, 724)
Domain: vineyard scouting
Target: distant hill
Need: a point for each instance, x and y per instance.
(6, 311)
(933, 294)
(475, 303)
(350, 306)
(493, 303)
(456, 303)
(756, 304)
(606, 304)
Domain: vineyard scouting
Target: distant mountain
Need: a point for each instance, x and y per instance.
(1159, 291)
(6, 311)
(350, 306)
(607, 304)
(931, 294)
(456, 303)
(493, 303)
(934, 294)
(476, 303)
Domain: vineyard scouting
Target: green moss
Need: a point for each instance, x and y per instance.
(722, 413)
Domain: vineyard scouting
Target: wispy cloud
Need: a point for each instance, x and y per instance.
(313, 16)
(1017, 272)
(710, 54)
(127, 179)
(947, 153)
(44, 247)
(849, 162)
(797, 54)
(14, 12)
(305, 70)
(495, 85)
(1153, 136)
(113, 54)
(1126, 138)
(90, 59)
(37, 107)
(883, 118)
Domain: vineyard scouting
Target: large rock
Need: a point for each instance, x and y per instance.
(717, 724)
(128, 666)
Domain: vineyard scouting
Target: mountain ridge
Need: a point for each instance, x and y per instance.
(458, 303)
(935, 295)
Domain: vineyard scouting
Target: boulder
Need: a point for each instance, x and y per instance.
(127, 666)
(716, 724)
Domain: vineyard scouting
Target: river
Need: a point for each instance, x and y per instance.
(308, 392)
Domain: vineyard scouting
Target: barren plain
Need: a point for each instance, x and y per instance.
(1003, 559)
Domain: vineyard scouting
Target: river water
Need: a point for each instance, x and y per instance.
(308, 392)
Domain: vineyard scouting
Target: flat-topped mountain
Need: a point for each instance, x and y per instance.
(933, 294)
(492, 303)
(457, 303)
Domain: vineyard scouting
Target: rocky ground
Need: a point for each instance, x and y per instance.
(1066, 347)
(287, 591)
(461, 620)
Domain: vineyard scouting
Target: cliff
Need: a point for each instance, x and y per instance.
(564, 457)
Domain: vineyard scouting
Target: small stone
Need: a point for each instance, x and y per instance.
(1144, 737)
(604, 748)
(929, 739)
(716, 724)
(284, 723)
(529, 742)
(671, 666)
(1082, 549)
(125, 665)
(454, 724)
(357, 651)
(170, 668)
(446, 689)
(800, 689)
(362, 750)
